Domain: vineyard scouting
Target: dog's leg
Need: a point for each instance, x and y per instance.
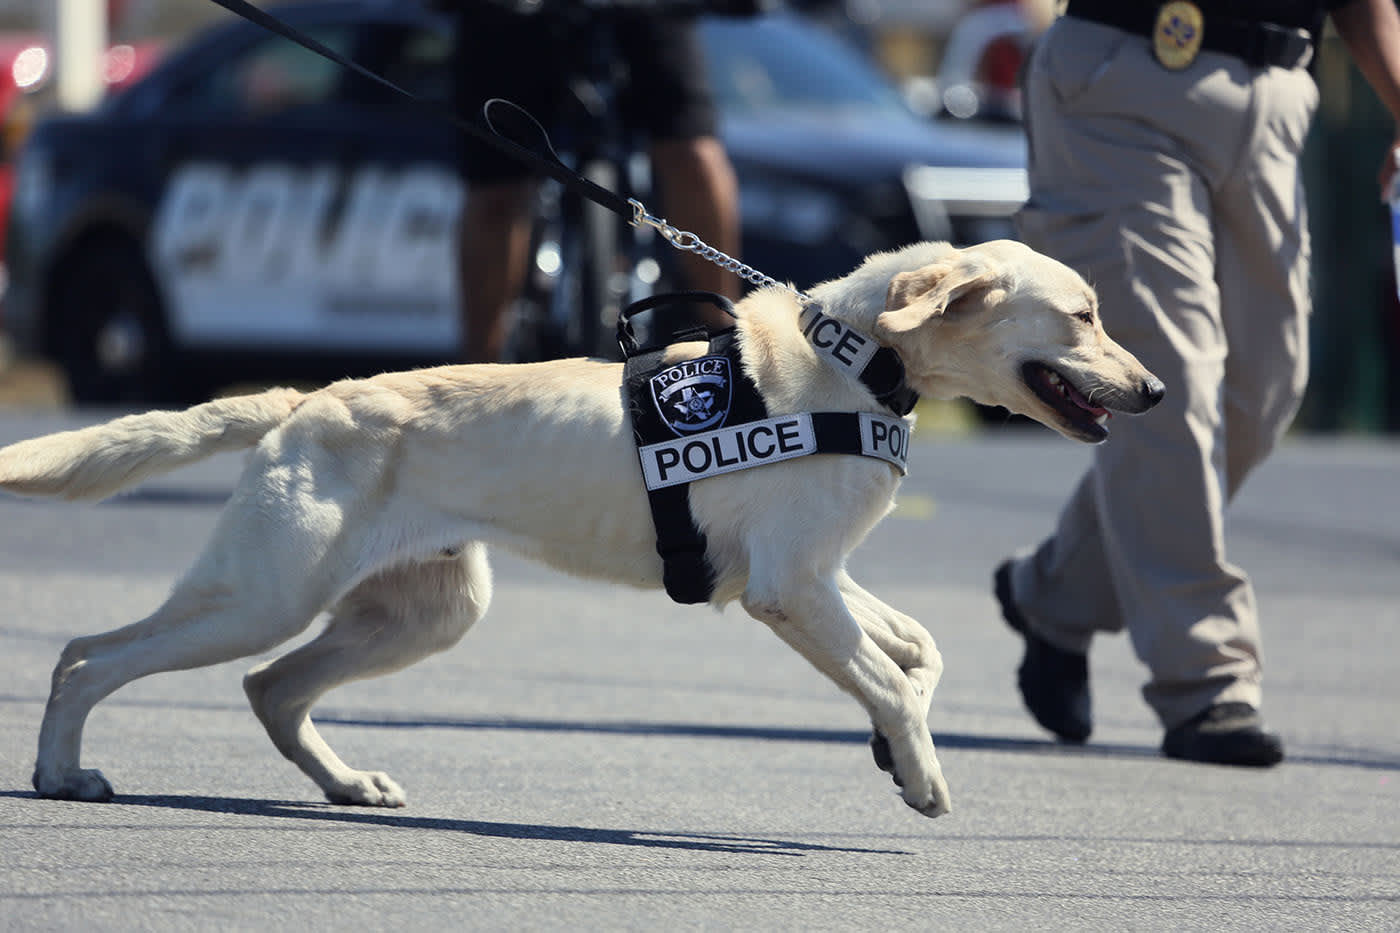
(388, 622)
(807, 611)
(202, 623)
(272, 563)
(900, 636)
(906, 642)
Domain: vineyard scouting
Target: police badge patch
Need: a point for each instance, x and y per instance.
(694, 395)
(1177, 36)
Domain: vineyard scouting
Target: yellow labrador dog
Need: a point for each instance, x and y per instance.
(374, 500)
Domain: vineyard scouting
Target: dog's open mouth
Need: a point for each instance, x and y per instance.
(1082, 417)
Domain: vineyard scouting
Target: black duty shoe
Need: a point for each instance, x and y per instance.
(1054, 683)
(1225, 734)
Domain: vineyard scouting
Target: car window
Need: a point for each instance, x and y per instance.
(776, 64)
(269, 76)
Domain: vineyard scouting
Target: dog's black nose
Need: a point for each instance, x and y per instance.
(1153, 390)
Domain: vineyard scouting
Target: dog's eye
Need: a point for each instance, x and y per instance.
(1086, 316)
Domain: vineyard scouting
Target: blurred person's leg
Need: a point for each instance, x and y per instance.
(498, 54)
(493, 259)
(669, 99)
(701, 195)
(1126, 200)
(1263, 265)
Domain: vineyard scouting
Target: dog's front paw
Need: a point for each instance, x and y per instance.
(368, 789)
(935, 801)
(884, 758)
(74, 784)
(929, 792)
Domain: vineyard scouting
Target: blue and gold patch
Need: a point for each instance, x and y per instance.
(1176, 38)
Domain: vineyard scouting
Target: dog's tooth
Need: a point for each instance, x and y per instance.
(1102, 419)
(1053, 379)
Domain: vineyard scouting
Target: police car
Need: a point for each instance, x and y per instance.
(249, 210)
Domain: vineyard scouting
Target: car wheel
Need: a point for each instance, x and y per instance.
(108, 330)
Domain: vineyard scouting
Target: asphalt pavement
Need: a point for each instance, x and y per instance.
(597, 758)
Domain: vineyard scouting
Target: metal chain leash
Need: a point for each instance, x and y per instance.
(690, 243)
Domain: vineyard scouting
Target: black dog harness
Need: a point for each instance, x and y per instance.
(704, 417)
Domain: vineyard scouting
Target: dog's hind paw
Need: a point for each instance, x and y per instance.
(74, 784)
(368, 789)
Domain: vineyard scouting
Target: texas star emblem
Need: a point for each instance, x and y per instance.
(694, 395)
(1176, 39)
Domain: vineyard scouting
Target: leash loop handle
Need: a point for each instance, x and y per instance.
(526, 132)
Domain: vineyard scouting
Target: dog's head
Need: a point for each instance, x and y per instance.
(1004, 325)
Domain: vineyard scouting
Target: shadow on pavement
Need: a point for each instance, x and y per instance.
(371, 816)
(1342, 757)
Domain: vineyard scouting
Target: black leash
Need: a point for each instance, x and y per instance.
(539, 155)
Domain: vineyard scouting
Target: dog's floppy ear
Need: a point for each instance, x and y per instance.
(907, 286)
(915, 297)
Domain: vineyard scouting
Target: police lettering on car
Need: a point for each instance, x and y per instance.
(273, 251)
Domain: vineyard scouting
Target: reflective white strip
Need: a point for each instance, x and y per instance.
(843, 345)
(987, 192)
(725, 450)
(885, 437)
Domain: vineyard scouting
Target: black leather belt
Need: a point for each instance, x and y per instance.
(1257, 43)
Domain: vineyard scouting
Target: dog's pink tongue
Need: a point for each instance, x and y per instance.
(1078, 399)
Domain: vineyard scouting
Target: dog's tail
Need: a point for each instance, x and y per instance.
(95, 462)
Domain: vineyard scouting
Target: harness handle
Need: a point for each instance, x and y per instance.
(676, 327)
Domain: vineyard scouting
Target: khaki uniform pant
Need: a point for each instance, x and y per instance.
(1178, 196)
